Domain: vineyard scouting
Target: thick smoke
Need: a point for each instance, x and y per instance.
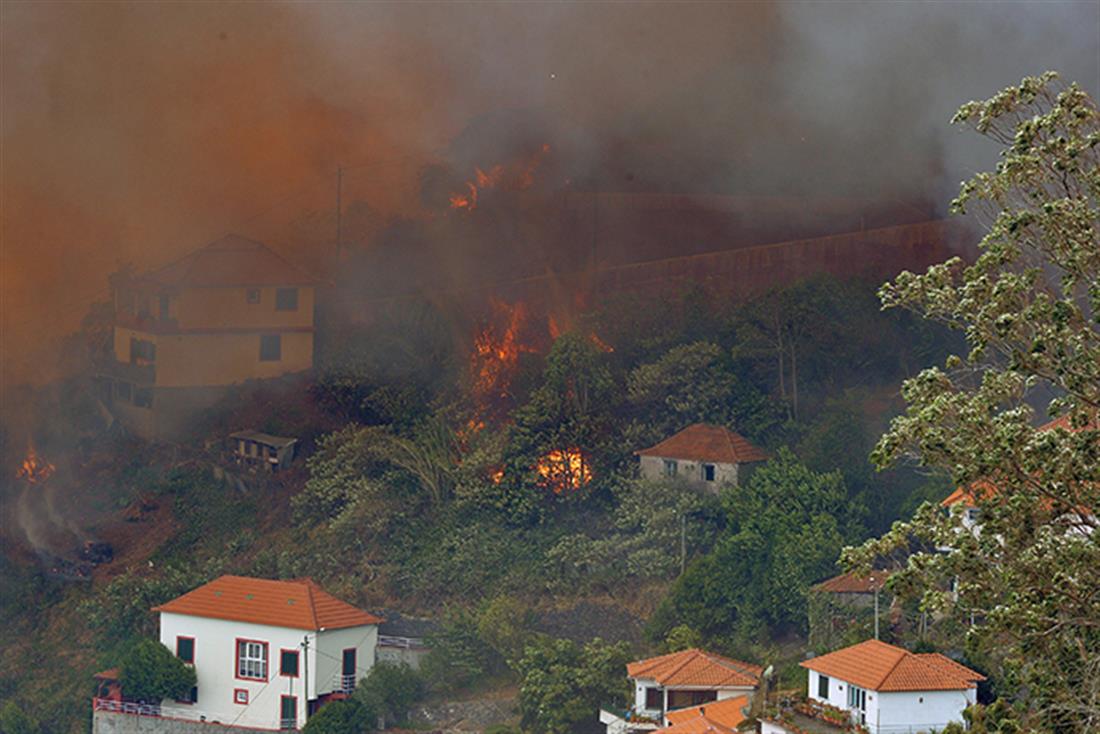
(138, 131)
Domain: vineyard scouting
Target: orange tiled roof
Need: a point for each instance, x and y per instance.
(850, 583)
(696, 668)
(231, 261)
(300, 604)
(878, 666)
(704, 442)
(722, 716)
(698, 725)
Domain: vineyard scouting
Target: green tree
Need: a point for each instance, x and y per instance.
(571, 411)
(563, 684)
(695, 383)
(1028, 307)
(785, 528)
(15, 720)
(149, 672)
(390, 690)
(350, 716)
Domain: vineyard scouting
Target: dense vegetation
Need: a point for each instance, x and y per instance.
(427, 487)
(494, 495)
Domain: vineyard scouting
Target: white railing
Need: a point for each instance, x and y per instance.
(347, 683)
(406, 642)
(125, 707)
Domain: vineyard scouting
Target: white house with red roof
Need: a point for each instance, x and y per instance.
(703, 454)
(266, 653)
(681, 680)
(885, 688)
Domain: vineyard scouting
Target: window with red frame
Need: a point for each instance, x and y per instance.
(252, 659)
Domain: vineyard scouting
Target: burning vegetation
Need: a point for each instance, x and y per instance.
(34, 469)
(563, 471)
(516, 176)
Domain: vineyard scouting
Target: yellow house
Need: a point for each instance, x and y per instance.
(231, 311)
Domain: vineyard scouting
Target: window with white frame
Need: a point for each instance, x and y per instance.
(252, 659)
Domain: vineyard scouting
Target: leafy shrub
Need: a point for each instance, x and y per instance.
(390, 690)
(150, 673)
(350, 716)
(563, 684)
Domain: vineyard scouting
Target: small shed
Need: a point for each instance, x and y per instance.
(702, 454)
(262, 450)
(403, 639)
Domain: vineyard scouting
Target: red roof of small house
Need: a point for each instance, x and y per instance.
(299, 604)
(704, 442)
(108, 674)
(878, 666)
(717, 716)
(851, 583)
(696, 668)
(231, 261)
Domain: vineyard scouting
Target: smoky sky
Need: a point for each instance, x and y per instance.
(134, 132)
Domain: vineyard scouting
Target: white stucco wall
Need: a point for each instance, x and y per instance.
(921, 710)
(330, 646)
(902, 712)
(641, 684)
(215, 667)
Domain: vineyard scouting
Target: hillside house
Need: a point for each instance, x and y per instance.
(228, 312)
(681, 680)
(266, 653)
(848, 606)
(702, 454)
(402, 640)
(884, 688)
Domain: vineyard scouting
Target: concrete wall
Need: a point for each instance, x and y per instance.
(105, 722)
(653, 467)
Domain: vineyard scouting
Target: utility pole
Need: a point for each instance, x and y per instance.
(339, 212)
(683, 542)
(305, 671)
(876, 607)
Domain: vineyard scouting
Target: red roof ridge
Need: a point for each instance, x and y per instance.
(270, 602)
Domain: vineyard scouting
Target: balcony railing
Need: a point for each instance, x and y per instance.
(347, 683)
(125, 707)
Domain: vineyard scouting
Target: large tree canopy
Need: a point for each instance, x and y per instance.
(1029, 307)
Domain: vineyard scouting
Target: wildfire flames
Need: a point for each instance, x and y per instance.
(556, 331)
(496, 351)
(34, 469)
(522, 176)
(563, 471)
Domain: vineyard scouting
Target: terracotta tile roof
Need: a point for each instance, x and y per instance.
(698, 725)
(231, 261)
(704, 442)
(299, 604)
(878, 666)
(696, 668)
(850, 583)
(721, 716)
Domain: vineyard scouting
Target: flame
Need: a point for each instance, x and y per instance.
(496, 352)
(555, 330)
(34, 469)
(523, 176)
(563, 471)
